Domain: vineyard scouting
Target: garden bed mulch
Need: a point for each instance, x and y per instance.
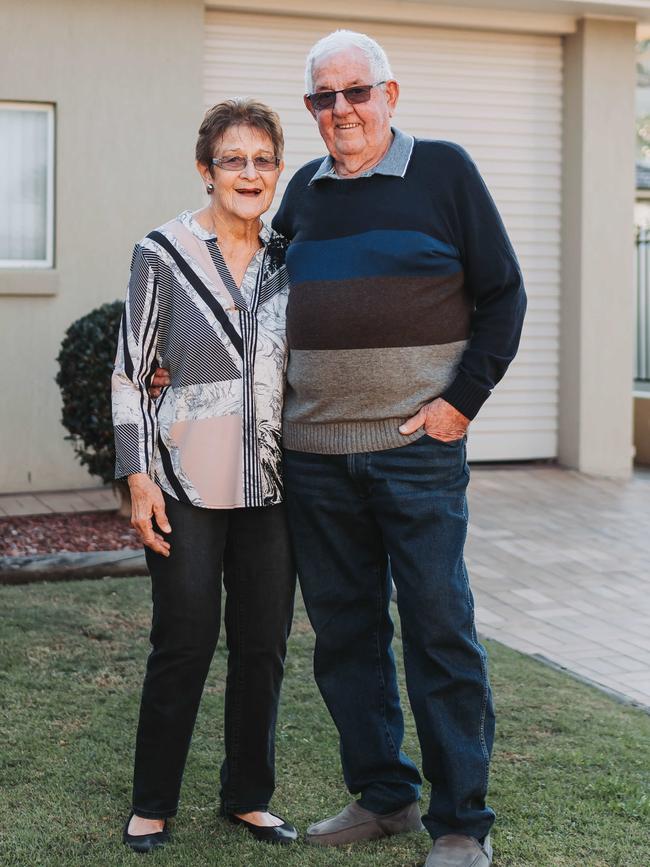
(66, 547)
(28, 535)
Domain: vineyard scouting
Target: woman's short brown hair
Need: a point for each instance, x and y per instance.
(237, 112)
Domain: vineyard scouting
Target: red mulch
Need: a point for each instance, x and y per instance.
(73, 531)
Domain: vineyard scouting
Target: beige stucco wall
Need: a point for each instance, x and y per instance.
(597, 314)
(126, 78)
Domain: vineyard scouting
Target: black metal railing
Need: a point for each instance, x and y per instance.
(642, 354)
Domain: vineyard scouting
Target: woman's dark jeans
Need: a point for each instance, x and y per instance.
(252, 546)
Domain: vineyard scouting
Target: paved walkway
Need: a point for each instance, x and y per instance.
(89, 500)
(559, 563)
(560, 566)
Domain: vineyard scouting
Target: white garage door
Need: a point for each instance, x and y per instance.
(498, 95)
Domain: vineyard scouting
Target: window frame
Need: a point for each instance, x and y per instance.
(48, 262)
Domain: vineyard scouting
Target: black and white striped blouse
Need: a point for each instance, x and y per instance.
(213, 437)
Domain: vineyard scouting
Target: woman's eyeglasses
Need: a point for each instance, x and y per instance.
(237, 164)
(324, 99)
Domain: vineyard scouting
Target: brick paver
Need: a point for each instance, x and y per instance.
(560, 568)
(87, 500)
(559, 564)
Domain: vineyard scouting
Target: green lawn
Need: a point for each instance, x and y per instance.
(570, 779)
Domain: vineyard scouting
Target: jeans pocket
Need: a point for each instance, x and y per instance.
(449, 444)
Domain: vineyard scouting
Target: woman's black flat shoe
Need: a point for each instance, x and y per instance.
(144, 843)
(284, 833)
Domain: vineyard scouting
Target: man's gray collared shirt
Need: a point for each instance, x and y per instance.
(395, 162)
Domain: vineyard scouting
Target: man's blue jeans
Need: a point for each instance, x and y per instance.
(348, 514)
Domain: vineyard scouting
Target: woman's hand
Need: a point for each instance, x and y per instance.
(147, 502)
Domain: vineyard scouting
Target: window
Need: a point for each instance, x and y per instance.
(26, 185)
(642, 217)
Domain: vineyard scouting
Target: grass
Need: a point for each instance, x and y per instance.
(570, 778)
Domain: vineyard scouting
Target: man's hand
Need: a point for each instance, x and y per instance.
(440, 420)
(147, 502)
(159, 380)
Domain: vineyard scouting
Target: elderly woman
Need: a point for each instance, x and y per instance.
(206, 300)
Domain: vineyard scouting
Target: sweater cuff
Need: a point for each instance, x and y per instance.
(465, 395)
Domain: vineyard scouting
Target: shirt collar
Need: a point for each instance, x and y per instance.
(188, 219)
(395, 162)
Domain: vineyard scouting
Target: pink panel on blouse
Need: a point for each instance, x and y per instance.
(202, 444)
(200, 253)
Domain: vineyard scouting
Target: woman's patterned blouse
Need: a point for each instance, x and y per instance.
(212, 439)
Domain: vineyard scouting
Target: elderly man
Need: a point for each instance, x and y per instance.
(405, 310)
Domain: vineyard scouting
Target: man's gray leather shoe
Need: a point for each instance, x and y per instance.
(459, 850)
(354, 824)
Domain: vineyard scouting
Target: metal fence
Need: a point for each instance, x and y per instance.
(642, 355)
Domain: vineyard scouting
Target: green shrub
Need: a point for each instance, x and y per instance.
(85, 367)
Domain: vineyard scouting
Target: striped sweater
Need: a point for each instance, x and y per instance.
(404, 288)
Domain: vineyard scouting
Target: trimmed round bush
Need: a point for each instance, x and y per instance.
(86, 363)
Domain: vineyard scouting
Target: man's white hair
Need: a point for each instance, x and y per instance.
(340, 40)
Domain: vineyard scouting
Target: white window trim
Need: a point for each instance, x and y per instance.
(48, 262)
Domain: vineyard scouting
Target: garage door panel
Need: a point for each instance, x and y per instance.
(544, 386)
(542, 215)
(512, 445)
(499, 95)
(545, 306)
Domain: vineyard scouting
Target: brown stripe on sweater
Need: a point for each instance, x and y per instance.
(377, 312)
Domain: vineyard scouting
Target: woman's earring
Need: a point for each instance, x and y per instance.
(209, 189)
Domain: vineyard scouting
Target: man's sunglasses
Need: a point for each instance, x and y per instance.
(324, 99)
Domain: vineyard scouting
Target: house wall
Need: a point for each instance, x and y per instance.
(126, 77)
(597, 313)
